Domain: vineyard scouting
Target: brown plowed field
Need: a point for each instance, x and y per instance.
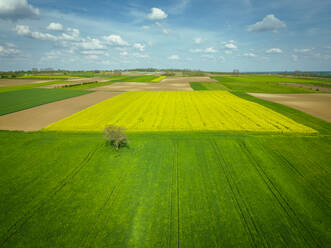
(77, 81)
(168, 84)
(34, 119)
(318, 105)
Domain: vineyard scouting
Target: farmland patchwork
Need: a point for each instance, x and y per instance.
(180, 111)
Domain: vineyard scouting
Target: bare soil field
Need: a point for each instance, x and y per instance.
(13, 82)
(34, 119)
(318, 105)
(168, 84)
(308, 86)
(76, 81)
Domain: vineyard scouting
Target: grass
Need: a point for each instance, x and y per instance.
(51, 77)
(179, 111)
(165, 190)
(28, 86)
(23, 99)
(207, 86)
(268, 84)
(144, 79)
(90, 85)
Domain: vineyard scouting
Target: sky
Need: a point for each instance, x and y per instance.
(209, 35)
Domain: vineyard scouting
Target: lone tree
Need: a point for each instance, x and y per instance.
(115, 136)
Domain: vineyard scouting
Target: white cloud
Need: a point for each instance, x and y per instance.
(197, 40)
(8, 49)
(174, 57)
(295, 57)
(17, 9)
(145, 27)
(210, 50)
(91, 44)
(208, 56)
(93, 56)
(269, 23)
(115, 40)
(139, 46)
(206, 50)
(55, 26)
(230, 45)
(303, 50)
(274, 50)
(228, 52)
(252, 55)
(124, 53)
(139, 55)
(157, 14)
(24, 30)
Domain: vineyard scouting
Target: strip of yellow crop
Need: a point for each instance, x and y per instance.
(180, 111)
(158, 79)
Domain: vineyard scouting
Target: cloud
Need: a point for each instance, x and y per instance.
(197, 40)
(179, 6)
(17, 9)
(145, 27)
(206, 50)
(55, 26)
(252, 55)
(139, 55)
(174, 57)
(228, 52)
(115, 40)
(91, 44)
(8, 49)
(208, 56)
(269, 23)
(157, 14)
(124, 53)
(303, 50)
(230, 45)
(295, 57)
(139, 46)
(274, 50)
(24, 30)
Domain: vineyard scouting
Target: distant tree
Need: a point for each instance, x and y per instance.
(117, 73)
(115, 136)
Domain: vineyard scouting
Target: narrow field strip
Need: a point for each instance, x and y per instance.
(180, 111)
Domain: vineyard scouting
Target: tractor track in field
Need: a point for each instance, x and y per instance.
(236, 195)
(15, 228)
(281, 199)
(110, 199)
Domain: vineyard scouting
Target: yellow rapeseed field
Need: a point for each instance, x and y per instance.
(179, 111)
(156, 80)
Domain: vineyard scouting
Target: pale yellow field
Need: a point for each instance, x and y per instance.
(179, 111)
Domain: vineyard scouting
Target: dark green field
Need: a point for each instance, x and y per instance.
(207, 86)
(23, 99)
(269, 84)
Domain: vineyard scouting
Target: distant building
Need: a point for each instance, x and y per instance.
(236, 71)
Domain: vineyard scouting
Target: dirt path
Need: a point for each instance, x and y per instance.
(34, 119)
(13, 82)
(76, 81)
(168, 84)
(318, 105)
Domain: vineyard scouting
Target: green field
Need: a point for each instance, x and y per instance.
(28, 86)
(186, 190)
(207, 86)
(23, 99)
(269, 84)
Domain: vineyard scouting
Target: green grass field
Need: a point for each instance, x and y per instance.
(28, 86)
(165, 190)
(23, 99)
(268, 84)
(207, 86)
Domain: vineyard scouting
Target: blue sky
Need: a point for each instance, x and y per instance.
(213, 35)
